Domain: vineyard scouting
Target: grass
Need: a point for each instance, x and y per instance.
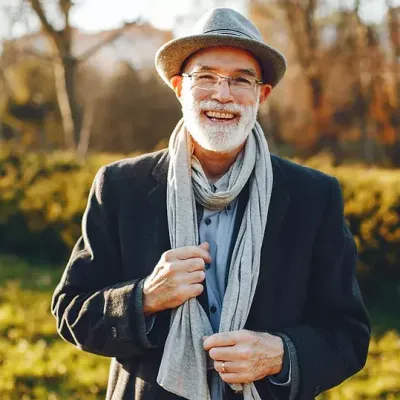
(36, 364)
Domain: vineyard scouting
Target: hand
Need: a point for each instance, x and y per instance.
(176, 278)
(248, 356)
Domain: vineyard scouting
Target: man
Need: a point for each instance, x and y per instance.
(214, 270)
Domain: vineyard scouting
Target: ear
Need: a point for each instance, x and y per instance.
(265, 91)
(176, 82)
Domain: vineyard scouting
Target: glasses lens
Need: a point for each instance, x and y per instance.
(205, 80)
(209, 80)
(243, 83)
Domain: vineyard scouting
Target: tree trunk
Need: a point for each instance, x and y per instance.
(65, 72)
(394, 33)
(86, 130)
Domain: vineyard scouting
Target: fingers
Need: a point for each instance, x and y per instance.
(185, 253)
(193, 290)
(222, 366)
(235, 378)
(195, 277)
(230, 367)
(191, 265)
(205, 246)
(233, 372)
(221, 339)
(183, 267)
(180, 269)
(228, 353)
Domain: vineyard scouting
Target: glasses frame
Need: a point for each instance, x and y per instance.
(221, 77)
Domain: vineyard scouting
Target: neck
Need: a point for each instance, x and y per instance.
(215, 164)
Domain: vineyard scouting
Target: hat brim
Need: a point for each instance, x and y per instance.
(171, 55)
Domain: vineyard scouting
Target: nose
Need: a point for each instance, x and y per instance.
(222, 92)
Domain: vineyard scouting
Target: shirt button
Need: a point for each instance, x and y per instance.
(208, 266)
(208, 221)
(213, 309)
(228, 207)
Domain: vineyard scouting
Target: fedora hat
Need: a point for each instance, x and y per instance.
(221, 27)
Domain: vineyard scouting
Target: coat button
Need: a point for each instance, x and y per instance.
(114, 332)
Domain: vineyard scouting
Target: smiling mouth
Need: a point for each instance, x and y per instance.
(219, 116)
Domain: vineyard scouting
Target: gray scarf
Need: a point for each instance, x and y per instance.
(184, 364)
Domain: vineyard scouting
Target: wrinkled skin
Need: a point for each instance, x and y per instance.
(249, 356)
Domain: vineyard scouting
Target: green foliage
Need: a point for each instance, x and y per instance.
(380, 378)
(372, 209)
(35, 363)
(42, 199)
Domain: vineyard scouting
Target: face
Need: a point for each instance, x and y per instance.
(220, 118)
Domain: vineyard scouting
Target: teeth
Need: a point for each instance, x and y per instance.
(215, 114)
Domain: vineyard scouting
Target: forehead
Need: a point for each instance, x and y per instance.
(223, 59)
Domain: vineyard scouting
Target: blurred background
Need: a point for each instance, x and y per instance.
(78, 90)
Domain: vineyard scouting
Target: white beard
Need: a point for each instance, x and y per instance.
(217, 138)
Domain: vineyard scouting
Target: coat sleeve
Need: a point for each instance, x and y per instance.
(332, 344)
(93, 309)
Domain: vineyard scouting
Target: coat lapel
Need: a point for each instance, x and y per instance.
(280, 200)
(158, 204)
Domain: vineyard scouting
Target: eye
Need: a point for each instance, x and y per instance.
(242, 80)
(206, 77)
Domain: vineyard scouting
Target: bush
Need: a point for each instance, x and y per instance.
(379, 379)
(372, 209)
(42, 200)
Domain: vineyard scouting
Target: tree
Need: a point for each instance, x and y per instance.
(361, 52)
(65, 65)
(394, 34)
(303, 35)
(144, 112)
(336, 93)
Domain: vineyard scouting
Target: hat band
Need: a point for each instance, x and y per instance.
(230, 32)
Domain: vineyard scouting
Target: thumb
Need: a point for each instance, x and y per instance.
(205, 245)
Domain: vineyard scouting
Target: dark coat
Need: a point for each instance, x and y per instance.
(306, 288)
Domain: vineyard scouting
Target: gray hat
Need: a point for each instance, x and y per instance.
(221, 27)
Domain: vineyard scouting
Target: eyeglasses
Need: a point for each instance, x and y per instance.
(209, 80)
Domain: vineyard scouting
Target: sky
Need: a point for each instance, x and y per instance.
(103, 14)
(96, 15)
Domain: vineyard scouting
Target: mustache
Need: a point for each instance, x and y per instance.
(217, 106)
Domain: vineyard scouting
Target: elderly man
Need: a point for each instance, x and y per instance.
(215, 270)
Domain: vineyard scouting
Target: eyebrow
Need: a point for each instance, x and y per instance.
(246, 71)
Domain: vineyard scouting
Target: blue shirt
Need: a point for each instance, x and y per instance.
(216, 228)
